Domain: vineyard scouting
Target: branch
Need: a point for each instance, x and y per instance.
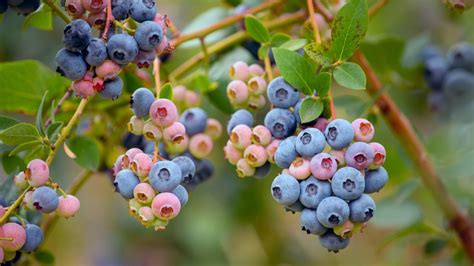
(56, 9)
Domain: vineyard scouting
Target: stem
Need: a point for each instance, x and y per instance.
(312, 19)
(58, 107)
(14, 205)
(6, 238)
(56, 9)
(400, 125)
(268, 67)
(377, 6)
(156, 74)
(109, 18)
(222, 24)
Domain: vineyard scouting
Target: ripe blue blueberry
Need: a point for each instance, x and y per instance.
(332, 211)
(362, 209)
(285, 189)
(281, 94)
(96, 52)
(77, 35)
(148, 35)
(339, 134)
(27, 7)
(286, 152)
(240, 117)
(70, 64)
(187, 166)
(34, 238)
(435, 72)
(125, 182)
(142, 10)
(359, 155)
(281, 122)
(45, 199)
(309, 142)
(461, 56)
(122, 48)
(140, 101)
(458, 87)
(182, 194)
(194, 120)
(313, 191)
(375, 180)
(165, 176)
(120, 9)
(262, 171)
(204, 170)
(348, 183)
(333, 242)
(309, 223)
(112, 89)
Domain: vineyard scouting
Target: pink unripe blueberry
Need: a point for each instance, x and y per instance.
(239, 71)
(300, 168)
(37, 173)
(145, 214)
(94, 6)
(271, 149)
(20, 180)
(363, 130)
(161, 20)
(141, 164)
(256, 70)
(257, 86)
(163, 112)
(129, 155)
(323, 166)
(136, 125)
(74, 8)
(163, 47)
(261, 135)
(177, 148)
(83, 88)
(144, 58)
(255, 155)
(339, 156)
(28, 200)
(97, 20)
(166, 206)
(174, 133)
(133, 207)
(256, 102)
(321, 124)
(241, 136)
(143, 193)
(200, 145)
(107, 70)
(379, 155)
(237, 92)
(68, 206)
(213, 128)
(117, 165)
(232, 154)
(192, 99)
(179, 93)
(244, 169)
(151, 132)
(98, 84)
(14, 236)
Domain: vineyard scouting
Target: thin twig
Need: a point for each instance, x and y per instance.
(56, 110)
(156, 74)
(108, 18)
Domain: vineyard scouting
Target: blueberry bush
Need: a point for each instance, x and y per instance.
(136, 97)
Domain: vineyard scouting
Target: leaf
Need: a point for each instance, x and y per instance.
(6, 122)
(376, 49)
(44, 257)
(11, 164)
(41, 19)
(323, 84)
(87, 152)
(350, 75)
(434, 246)
(256, 29)
(8, 189)
(23, 84)
(263, 51)
(348, 29)
(40, 152)
(25, 146)
(294, 45)
(279, 38)
(53, 130)
(296, 70)
(166, 91)
(18, 134)
(310, 109)
(201, 82)
(318, 53)
(218, 98)
(39, 115)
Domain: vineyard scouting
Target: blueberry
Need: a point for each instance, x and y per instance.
(165, 176)
(309, 142)
(240, 117)
(77, 35)
(309, 223)
(461, 56)
(262, 171)
(332, 211)
(70, 64)
(122, 48)
(313, 191)
(333, 242)
(281, 122)
(188, 168)
(34, 238)
(435, 72)
(45, 199)
(285, 189)
(281, 94)
(204, 170)
(194, 120)
(120, 9)
(362, 209)
(295, 207)
(112, 89)
(144, 59)
(359, 155)
(27, 7)
(375, 180)
(140, 101)
(148, 35)
(459, 87)
(182, 194)
(142, 10)
(96, 52)
(339, 134)
(286, 152)
(348, 183)
(125, 182)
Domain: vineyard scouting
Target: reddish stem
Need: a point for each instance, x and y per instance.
(109, 19)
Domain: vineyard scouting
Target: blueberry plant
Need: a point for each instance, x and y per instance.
(278, 94)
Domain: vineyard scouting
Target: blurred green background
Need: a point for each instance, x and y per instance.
(230, 221)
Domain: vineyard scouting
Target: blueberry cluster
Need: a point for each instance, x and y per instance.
(94, 63)
(23, 7)
(451, 79)
(247, 88)
(18, 235)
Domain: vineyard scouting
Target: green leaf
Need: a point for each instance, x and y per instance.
(375, 49)
(263, 51)
(8, 189)
(166, 91)
(44, 257)
(40, 152)
(87, 152)
(23, 84)
(41, 19)
(6, 122)
(310, 109)
(256, 29)
(323, 84)
(296, 70)
(318, 53)
(348, 29)
(11, 164)
(39, 115)
(350, 75)
(18, 134)
(25, 146)
(201, 82)
(279, 38)
(53, 130)
(434, 246)
(294, 45)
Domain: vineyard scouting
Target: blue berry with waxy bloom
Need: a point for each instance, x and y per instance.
(112, 89)
(286, 152)
(194, 120)
(362, 209)
(461, 56)
(435, 72)
(458, 87)
(375, 180)
(348, 183)
(122, 48)
(27, 7)
(77, 35)
(359, 155)
(281, 122)
(187, 166)
(204, 170)
(140, 101)
(313, 191)
(70, 64)
(240, 117)
(45, 199)
(310, 142)
(281, 94)
(121, 8)
(285, 189)
(96, 52)
(34, 238)
(332, 211)
(148, 35)
(125, 182)
(165, 176)
(333, 242)
(309, 223)
(182, 194)
(339, 134)
(143, 10)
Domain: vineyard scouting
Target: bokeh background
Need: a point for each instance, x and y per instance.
(233, 221)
